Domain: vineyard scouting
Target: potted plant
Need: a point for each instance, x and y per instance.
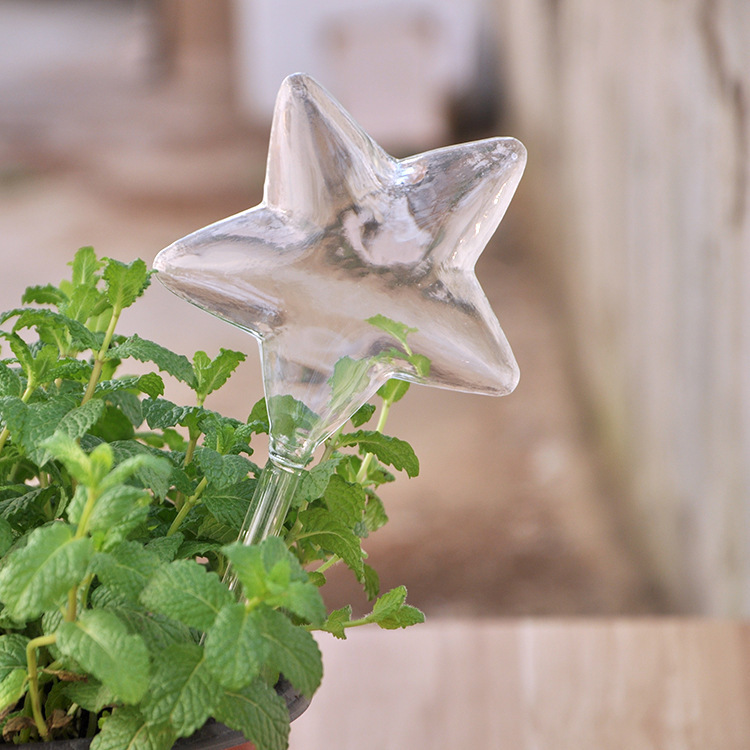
(119, 514)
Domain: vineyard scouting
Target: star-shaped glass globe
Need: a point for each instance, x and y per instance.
(355, 268)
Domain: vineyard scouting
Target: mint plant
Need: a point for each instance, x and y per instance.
(119, 514)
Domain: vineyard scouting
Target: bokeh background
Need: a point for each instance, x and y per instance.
(615, 479)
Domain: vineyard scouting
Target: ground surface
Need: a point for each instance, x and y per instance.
(509, 515)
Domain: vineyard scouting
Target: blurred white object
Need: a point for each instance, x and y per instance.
(395, 66)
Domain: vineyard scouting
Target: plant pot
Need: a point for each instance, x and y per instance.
(211, 736)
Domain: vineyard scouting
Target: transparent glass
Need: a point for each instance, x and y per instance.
(349, 245)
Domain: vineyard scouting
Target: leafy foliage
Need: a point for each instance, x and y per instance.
(119, 511)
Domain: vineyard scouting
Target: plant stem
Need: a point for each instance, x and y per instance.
(188, 506)
(88, 509)
(36, 704)
(329, 563)
(99, 360)
(72, 611)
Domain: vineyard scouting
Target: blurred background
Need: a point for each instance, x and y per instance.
(615, 479)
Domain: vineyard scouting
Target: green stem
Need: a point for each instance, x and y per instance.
(88, 509)
(100, 357)
(188, 506)
(72, 611)
(329, 563)
(36, 704)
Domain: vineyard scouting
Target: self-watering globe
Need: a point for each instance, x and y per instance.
(356, 267)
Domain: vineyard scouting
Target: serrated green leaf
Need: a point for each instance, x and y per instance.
(77, 422)
(212, 374)
(160, 413)
(303, 600)
(229, 505)
(37, 576)
(21, 352)
(346, 501)
(151, 468)
(322, 529)
(117, 512)
(125, 282)
(390, 450)
(399, 331)
(289, 415)
(85, 265)
(10, 383)
(12, 688)
(375, 515)
(31, 426)
(127, 729)
(402, 618)
(314, 482)
(235, 648)
(126, 568)
(166, 547)
(99, 641)
(336, 622)
(26, 510)
(187, 592)
(157, 631)
(177, 365)
(56, 326)
(66, 450)
(258, 712)
(363, 414)
(12, 653)
(130, 405)
(222, 471)
(247, 565)
(390, 602)
(114, 424)
(291, 650)
(182, 692)
(43, 295)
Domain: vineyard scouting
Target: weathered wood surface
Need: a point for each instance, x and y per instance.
(651, 684)
(636, 114)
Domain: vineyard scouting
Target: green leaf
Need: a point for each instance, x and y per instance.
(375, 515)
(222, 471)
(212, 374)
(125, 282)
(85, 265)
(160, 413)
(371, 582)
(258, 418)
(76, 423)
(127, 729)
(24, 511)
(399, 331)
(332, 536)
(346, 501)
(314, 482)
(390, 612)
(335, 624)
(10, 383)
(55, 326)
(144, 464)
(166, 547)
(177, 365)
(6, 536)
(363, 414)
(291, 650)
(90, 695)
(43, 295)
(187, 592)
(126, 568)
(101, 644)
(229, 505)
(258, 712)
(289, 415)
(21, 351)
(390, 450)
(394, 390)
(117, 512)
(38, 576)
(31, 425)
(182, 692)
(12, 688)
(157, 631)
(235, 648)
(12, 653)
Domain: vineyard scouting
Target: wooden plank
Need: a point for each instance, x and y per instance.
(535, 685)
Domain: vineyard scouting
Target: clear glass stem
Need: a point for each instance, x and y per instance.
(269, 506)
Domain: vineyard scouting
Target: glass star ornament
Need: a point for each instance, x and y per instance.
(355, 268)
